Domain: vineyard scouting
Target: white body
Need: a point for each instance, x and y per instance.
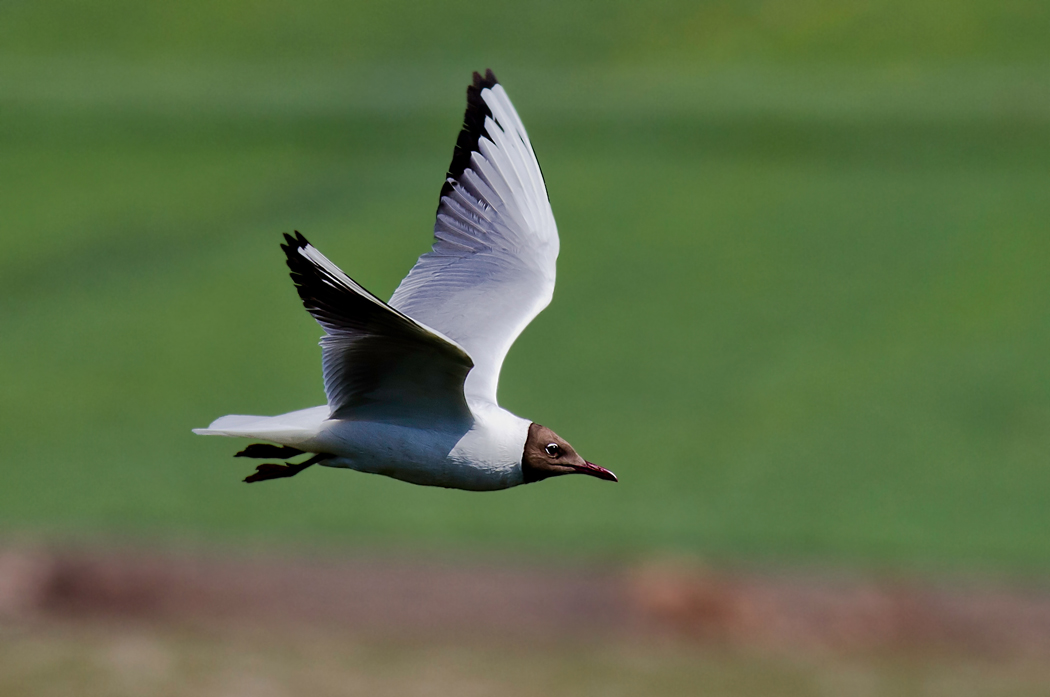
(485, 458)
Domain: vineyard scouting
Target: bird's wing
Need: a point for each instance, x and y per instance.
(492, 266)
(378, 363)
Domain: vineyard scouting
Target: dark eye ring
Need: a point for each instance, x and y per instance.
(553, 450)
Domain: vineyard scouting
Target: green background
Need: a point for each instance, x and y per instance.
(803, 291)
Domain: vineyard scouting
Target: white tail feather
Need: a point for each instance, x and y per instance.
(292, 428)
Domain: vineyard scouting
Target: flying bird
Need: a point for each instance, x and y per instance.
(411, 384)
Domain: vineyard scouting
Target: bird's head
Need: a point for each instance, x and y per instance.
(548, 455)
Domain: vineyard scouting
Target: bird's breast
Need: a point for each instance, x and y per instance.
(444, 458)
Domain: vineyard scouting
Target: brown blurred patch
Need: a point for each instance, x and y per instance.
(433, 600)
(840, 612)
(25, 576)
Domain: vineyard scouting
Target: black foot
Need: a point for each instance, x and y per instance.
(267, 450)
(271, 471)
(274, 471)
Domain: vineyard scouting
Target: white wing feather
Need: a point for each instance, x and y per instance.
(492, 267)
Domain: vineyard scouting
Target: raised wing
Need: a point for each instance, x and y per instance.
(378, 364)
(492, 266)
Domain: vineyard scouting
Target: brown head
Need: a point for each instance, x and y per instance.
(548, 455)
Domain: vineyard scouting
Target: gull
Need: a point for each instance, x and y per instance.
(411, 384)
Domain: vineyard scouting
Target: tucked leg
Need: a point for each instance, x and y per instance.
(267, 450)
(274, 471)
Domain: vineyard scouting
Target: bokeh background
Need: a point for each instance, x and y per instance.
(801, 309)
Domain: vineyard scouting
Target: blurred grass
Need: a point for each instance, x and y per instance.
(545, 31)
(113, 660)
(802, 298)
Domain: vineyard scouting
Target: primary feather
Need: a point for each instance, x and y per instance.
(492, 267)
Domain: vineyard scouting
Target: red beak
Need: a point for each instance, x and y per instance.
(595, 471)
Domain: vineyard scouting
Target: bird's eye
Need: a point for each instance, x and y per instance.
(553, 450)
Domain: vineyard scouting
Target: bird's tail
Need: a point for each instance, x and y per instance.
(291, 429)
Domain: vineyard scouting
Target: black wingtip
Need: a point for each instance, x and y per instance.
(473, 128)
(489, 80)
(291, 248)
(294, 242)
(303, 273)
(290, 245)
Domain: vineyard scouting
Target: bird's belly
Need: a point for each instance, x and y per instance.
(412, 455)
